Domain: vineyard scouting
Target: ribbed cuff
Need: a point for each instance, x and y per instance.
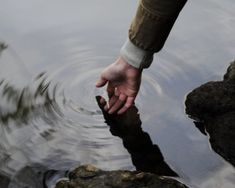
(135, 56)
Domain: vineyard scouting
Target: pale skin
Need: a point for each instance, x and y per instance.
(123, 84)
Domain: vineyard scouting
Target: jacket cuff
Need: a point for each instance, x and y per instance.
(136, 56)
(153, 22)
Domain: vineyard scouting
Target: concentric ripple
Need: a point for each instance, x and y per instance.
(55, 122)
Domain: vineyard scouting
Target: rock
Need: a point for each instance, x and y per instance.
(4, 181)
(211, 99)
(26, 177)
(212, 105)
(230, 75)
(34, 175)
(117, 179)
(222, 135)
(89, 172)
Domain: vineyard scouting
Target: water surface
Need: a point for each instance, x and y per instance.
(50, 121)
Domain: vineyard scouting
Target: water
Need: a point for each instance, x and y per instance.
(50, 121)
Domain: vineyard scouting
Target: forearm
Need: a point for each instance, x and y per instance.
(149, 30)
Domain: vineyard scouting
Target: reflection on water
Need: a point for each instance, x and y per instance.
(25, 103)
(145, 155)
(47, 129)
(2, 47)
(50, 122)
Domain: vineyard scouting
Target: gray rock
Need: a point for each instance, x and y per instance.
(222, 135)
(4, 181)
(34, 176)
(26, 177)
(230, 75)
(88, 176)
(211, 99)
(212, 105)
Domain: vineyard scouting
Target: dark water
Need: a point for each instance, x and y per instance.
(50, 121)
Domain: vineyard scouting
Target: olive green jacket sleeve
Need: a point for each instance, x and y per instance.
(149, 30)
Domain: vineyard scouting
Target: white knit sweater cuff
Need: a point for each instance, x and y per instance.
(136, 56)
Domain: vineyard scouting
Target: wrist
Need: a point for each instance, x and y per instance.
(128, 69)
(136, 56)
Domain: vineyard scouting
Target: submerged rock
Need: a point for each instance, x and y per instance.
(212, 105)
(88, 176)
(34, 175)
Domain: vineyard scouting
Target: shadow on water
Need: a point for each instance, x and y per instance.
(145, 155)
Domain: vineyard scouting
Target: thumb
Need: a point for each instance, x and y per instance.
(101, 82)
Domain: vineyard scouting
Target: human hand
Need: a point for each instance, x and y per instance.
(123, 85)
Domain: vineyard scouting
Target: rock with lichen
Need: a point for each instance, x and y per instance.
(212, 105)
(88, 176)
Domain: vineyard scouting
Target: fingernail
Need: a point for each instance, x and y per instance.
(106, 108)
(102, 101)
(110, 112)
(97, 84)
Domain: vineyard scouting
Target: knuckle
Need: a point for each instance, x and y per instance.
(122, 97)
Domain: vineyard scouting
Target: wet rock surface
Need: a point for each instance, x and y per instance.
(212, 105)
(88, 176)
